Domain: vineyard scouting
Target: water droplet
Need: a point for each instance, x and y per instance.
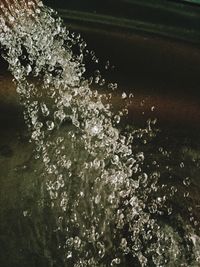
(25, 213)
(50, 125)
(115, 261)
(69, 254)
(124, 95)
(182, 165)
(117, 119)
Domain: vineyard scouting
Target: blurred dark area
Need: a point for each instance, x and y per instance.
(180, 19)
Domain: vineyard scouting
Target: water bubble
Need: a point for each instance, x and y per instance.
(123, 243)
(59, 116)
(101, 249)
(50, 125)
(169, 210)
(142, 103)
(102, 82)
(28, 69)
(187, 181)
(182, 165)
(140, 156)
(124, 95)
(69, 254)
(153, 208)
(115, 261)
(35, 135)
(117, 119)
(115, 159)
(143, 178)
(186, 194)
(25, 213)
(95, 130)
(77, 242)
(133, 201)
(107, 65)
(97, 199)
(70, 241)
(112, 86)
(131, 95)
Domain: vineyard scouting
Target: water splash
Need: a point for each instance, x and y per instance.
(109, 210)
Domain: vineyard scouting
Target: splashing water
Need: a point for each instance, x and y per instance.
(105, 204)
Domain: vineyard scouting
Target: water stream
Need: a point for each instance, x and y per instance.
(97, 202)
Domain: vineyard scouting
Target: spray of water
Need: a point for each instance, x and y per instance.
(105, 205)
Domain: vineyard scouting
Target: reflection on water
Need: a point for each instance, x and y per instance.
(88, 190)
